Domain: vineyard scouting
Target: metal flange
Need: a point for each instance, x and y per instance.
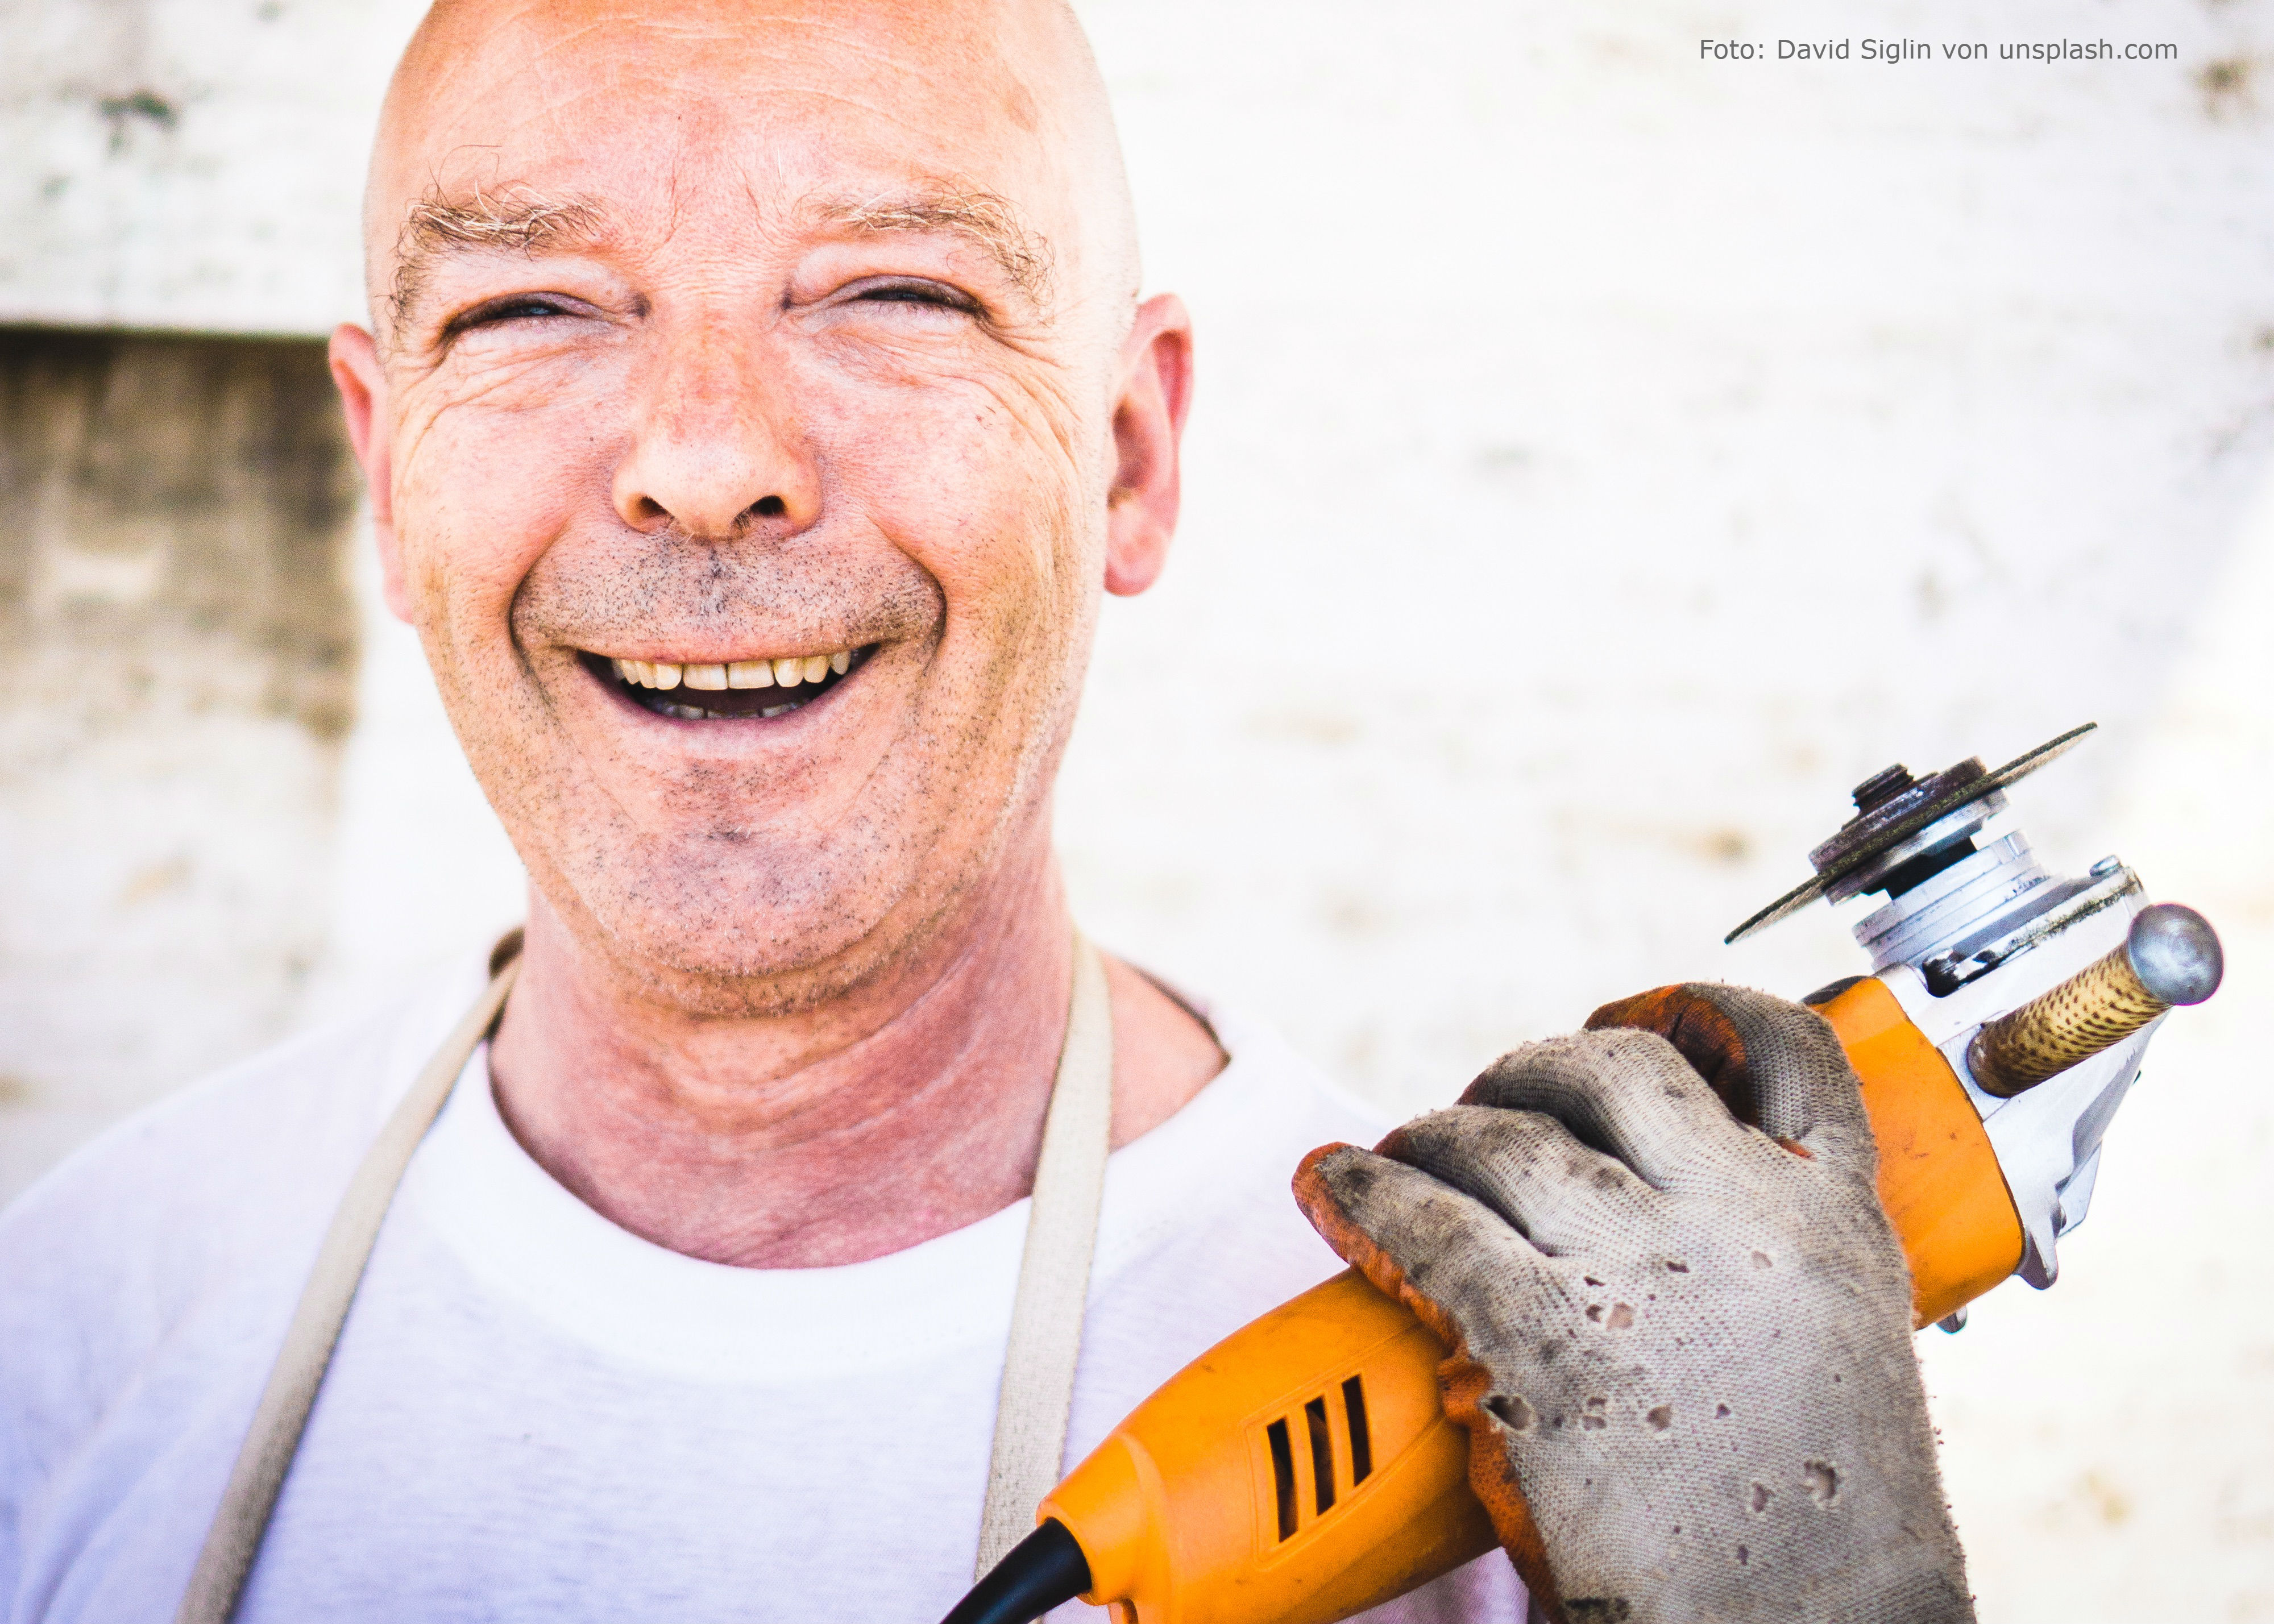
(1890, 807)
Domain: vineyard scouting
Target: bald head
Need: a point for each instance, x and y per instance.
(519, 124)
(760, 407)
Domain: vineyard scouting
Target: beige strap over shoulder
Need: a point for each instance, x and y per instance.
(1037, 1396)
(1045, 1318)
(266, 1456)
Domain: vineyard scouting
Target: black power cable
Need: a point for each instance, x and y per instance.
(1042, 1570)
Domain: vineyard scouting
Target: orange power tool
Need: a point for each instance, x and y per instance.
(1302, 1469)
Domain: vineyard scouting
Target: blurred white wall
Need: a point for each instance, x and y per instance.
(1602, 460)
(189, 163)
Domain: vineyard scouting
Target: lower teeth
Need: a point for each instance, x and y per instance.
(694, 713)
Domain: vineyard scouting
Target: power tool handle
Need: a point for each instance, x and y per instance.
(1303, 1470)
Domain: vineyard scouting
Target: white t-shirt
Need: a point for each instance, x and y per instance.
(536, 1416)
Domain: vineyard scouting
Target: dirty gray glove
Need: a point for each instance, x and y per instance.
(1681, 1345)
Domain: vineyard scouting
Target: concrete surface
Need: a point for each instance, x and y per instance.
(178, 670)
(1603, 459)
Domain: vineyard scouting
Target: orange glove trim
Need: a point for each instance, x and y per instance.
(1463, 1383)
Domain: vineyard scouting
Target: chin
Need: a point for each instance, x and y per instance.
(741, 943)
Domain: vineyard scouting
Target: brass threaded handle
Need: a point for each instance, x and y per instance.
(2171, 956)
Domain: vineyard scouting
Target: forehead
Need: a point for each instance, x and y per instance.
(687, 112)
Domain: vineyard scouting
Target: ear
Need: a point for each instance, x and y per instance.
(362, 383)
(1149, 421)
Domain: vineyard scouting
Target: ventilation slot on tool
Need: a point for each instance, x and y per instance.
(1361, 1438)
(1283, 1474)
(1323, 1454)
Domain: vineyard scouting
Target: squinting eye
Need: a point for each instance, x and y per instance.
(914, 293)
(519, 309)
(531, 307)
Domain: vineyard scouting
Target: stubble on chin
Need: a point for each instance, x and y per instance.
(722, 927)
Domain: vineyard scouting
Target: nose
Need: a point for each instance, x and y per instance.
(716, 449)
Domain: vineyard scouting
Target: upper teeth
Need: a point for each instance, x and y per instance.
(786, 673)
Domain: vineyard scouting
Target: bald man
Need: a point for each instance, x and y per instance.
(756, 406)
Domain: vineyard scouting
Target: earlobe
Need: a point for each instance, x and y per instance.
(1149, 423)
(362, 383)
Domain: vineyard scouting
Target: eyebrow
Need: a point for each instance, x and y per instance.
(518, 220)
(986, 221)
(522, 220)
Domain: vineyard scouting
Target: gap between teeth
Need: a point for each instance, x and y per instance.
(789, 672)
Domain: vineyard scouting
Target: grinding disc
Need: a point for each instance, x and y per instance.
(1875, 842)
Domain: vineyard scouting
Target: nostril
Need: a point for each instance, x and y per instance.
(770, 507)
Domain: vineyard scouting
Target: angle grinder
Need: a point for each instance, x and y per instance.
(1303, 1470)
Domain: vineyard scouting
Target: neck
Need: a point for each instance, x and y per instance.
(898, 1112)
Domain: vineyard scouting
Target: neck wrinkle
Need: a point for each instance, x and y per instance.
(825, 1137)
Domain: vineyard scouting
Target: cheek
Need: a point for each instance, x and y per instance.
(485, 481)
(985, 489)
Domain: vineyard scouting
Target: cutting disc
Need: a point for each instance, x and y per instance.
(1903, 827)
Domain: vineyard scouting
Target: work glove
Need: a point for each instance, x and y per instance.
(1679, 1321)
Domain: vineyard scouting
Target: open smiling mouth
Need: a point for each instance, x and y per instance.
(732, 691)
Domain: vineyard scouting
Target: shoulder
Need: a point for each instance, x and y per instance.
(200, 1188)
(1202, 1203)
(1270, 1103)
(1292, 1080)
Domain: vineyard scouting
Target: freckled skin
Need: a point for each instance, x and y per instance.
(793, 989)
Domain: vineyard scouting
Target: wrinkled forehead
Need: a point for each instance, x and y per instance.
(686, 119)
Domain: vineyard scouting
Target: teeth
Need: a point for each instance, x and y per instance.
(791, 671)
